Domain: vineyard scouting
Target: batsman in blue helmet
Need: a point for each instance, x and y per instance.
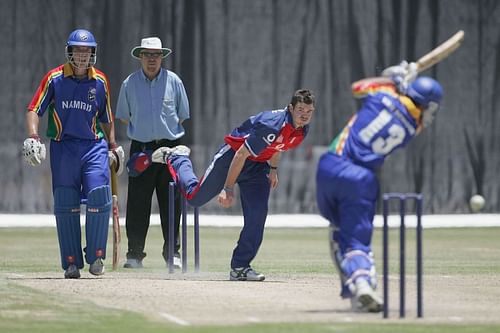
(395, 108)
(75, 97)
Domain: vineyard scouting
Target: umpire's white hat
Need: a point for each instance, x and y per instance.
(150, 43)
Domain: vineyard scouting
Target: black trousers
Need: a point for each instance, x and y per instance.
(140, 193)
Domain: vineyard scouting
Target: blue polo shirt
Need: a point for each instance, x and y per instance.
(154, 108)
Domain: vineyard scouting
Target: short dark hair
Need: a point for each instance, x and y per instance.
(302, 96)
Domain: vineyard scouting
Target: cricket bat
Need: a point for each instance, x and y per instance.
(428, 60)
(440, 52)
(116, 217)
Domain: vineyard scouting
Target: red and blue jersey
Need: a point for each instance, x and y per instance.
(385, 122)
(266, 133)
(76, 107)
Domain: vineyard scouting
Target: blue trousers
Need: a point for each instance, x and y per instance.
(80, 171)
(254, 188)
(346, 195)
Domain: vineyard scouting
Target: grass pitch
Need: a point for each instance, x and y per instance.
(454, 253)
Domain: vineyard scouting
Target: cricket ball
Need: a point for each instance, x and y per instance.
(476, 203)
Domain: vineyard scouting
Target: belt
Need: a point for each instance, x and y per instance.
(155, 144)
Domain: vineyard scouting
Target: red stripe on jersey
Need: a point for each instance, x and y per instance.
(41, 92)
(288, 138)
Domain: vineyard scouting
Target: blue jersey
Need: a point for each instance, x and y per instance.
(75, 106)
(383, 124)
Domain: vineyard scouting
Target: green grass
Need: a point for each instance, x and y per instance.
(453, 252)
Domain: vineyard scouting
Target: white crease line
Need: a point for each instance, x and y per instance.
(253, 319)
(16, 276)
(174, 319)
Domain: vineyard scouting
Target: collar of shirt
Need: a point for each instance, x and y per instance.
(157, 77)
(68, 71)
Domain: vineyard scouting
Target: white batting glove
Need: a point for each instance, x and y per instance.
(33, 150)
(396, 70)
(117, 156)
(411, 74)
(402, 74)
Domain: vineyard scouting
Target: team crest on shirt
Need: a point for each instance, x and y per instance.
(91, 95)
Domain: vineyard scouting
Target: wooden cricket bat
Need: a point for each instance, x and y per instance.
(116, 217)
(428, 60)
(440, 52)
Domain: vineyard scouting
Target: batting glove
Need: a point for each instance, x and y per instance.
(117, 157)
(402, 74)
(33, 150)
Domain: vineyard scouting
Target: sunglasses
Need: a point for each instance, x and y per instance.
(151, 55)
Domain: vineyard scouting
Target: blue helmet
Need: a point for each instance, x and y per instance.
(425, 90)
(81, 37)
(426, 93)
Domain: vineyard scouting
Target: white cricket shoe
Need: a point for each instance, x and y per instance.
(366, 299)
(162, 154)
(177, 262)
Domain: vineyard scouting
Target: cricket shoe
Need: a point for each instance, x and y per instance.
(72, 272)
(177, 262)
(366, 299)
(133, 263)
(162, 154)
(245, 274)
(97, 267)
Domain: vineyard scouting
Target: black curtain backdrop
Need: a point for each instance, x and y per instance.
(239, 57)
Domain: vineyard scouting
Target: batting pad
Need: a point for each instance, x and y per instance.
(67, 212)
(97, 221)
(358, 264)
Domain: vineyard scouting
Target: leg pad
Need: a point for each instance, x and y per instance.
(97, 222)
(67, 212)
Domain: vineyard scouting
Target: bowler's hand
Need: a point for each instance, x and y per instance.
(226, 197)
(273, 178)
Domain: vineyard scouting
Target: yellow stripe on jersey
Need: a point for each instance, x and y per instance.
(43, 90)
(58, 123)
(344, 135)
(369, 86)
(102, 77)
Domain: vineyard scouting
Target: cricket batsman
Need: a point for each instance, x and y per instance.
(76, 98)
(395, 108)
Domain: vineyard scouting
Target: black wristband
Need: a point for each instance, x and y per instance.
(273, 168)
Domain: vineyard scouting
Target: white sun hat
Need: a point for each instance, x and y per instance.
(150, 43)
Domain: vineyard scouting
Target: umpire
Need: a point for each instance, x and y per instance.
(153, 103)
